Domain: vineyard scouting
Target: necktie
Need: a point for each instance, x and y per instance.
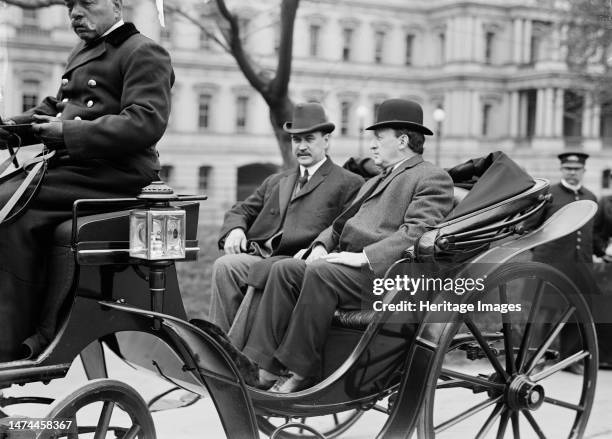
(338, 224)
(303, 180)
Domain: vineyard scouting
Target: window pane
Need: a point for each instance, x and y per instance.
(345, 111)
(242, 103)
(165, 173)
(486, 116)
(442, 47)
(315, 30)
(489, 47)
(379, 44)
(204, 111)
(30, 92)
(347, 43)
(409, 49)
(204, 174)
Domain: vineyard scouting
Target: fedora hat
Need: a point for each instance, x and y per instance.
(307, 118)
(400, 113)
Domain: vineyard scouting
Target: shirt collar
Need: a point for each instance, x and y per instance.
(113, 27)
(312, 168)
(571, 187)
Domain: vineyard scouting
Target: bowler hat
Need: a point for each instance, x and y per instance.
(307, 118)
(578, 158)
(400, 113)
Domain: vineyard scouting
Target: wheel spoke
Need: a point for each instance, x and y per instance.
(516, 431)
(485, 347)
(528, 334)
(453, 384)
(104, 421)
(567, 405)
(533, 424)
(301, 429)
(336, 421)
(490, 421)
(503, 424)
(466, 414)
(559, 366)
(132, 432)
(549, 339)
(507, 329)
(472, 379)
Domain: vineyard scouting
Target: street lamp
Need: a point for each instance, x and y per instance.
(438, 117)
(362, 113)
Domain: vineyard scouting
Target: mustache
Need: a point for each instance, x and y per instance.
(82, 23)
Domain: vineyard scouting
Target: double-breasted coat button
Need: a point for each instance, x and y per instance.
(578, 239)
(77, 118)
(64, 81)
(89, 103)
(65, 100)
(579, 232)
(92, 83)
(58, 115)
(577, 247)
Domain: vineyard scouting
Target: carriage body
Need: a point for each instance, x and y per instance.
(369, 356)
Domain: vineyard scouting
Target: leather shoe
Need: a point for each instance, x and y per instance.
(266, 379)
(290, 383)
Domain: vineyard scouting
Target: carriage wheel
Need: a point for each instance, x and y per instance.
(517, 386)
(119, 410)
(330, 426)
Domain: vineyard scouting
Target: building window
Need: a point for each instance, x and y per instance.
(489, 38)
(573, 107)
(204, 110)
(534, 52)
(29, 96)
(409, 49)
(379, 44)
(605, 123)
(347, 43)
(205, 40)
(605, 179)
(165, 33)
(204, 178)
(165, 173)
(486, 119)
(315, 33)
(30, 18)
(442, 47)
(532, 98)
(375, 108)
(242, 105)
(345, 112)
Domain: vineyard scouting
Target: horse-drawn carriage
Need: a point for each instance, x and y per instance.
(120, 280)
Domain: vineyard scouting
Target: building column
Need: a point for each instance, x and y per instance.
(476, 114)
(479, 41)
(587, 116)
(518, 40)
(595, 132)
(539, 126)
(458, 38)
(558, 119)
(549, 109)
(527, 41)
(514, 114)
(522, 115)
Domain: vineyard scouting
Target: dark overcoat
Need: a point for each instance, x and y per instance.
(114, 103)
(273, 207)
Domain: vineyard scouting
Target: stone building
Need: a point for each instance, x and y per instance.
(495, 67)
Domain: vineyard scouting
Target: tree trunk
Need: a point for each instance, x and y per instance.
(281, 111)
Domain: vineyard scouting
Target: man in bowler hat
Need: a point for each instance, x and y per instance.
(284, 214)
(389, 213)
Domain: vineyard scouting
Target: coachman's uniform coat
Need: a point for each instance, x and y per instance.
(114, 102)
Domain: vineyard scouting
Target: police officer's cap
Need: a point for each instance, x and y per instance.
(578, 158)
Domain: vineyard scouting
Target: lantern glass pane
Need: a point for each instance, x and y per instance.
(138, 234)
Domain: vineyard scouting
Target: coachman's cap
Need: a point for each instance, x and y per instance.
(307, 118)
(577, 158)
(400, 113)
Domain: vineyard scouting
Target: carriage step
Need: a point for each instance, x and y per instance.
(473, 351)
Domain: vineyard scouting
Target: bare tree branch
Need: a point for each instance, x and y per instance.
(237, 50)
(173, 9)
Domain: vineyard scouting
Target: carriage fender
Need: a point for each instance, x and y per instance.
(204, 357)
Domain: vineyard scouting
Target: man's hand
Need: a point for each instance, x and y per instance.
(300, 254)
(347, 258)
(235, 242)
(49, 130)
(317, 252)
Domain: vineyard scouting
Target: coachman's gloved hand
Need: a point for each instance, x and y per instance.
(49, 130)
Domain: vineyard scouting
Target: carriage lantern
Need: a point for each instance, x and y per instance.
(157, 231)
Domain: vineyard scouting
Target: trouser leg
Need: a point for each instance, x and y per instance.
(274, 312)
(326, 286)
(229, 276)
